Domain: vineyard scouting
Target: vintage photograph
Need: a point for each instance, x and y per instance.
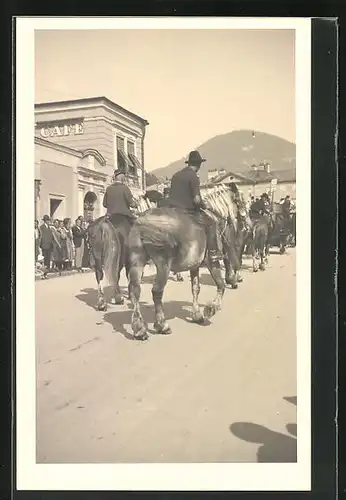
(166, 183)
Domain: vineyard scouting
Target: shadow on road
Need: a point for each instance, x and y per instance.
(275, 447)
(173, 309)
(291, 399)
(120, 317)
(89, 295)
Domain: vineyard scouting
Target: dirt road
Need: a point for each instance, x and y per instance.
(219, 393)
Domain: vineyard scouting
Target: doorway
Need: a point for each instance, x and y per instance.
(89, 205)
(56, 208)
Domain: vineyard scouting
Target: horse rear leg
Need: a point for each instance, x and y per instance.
(135, 272)
(163, 268)
(99, 274)
(231, 277)
(253, 255)
(118, 299)
(215, 271)
(197, 316)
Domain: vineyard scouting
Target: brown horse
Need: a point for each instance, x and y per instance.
(110, 248)
(173, 241)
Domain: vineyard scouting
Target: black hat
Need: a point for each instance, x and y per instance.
(195, 159)
(46, 217)
(118, 172)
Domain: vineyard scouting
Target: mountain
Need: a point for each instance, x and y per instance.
(237, 151)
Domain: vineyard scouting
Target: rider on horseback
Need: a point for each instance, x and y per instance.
(185, 195)
(118, 201)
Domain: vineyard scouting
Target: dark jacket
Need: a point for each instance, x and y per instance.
(46, 242)
(118, 199)
(185, 186)
(79, 235)
(286, 208)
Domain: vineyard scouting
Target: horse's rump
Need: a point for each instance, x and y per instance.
(168, 227)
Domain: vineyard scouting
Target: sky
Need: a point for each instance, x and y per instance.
(191, 85)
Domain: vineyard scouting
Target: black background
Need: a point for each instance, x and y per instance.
(324, 221)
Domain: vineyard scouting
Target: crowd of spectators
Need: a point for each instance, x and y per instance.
(61, 246)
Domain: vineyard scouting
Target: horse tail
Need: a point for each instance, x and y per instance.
(106, 250)
(260, 239)
(111, 253)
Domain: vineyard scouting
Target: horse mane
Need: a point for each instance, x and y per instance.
(221, 201)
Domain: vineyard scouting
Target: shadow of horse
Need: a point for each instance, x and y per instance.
(173, 309)
(89, 295)
(120, 317)
(275, 447)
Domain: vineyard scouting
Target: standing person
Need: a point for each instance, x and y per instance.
(37, 240)
(57, 249)
(249, 203)
(67, 243)
(79, 243)
(46, 241)
(286, 212)
(87, 250)
(185, 195)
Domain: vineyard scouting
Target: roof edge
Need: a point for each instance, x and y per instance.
(89, 100)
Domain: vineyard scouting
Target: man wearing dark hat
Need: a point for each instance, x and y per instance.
(118, 201)
(286, 212)
(185, 194)
(46, 241)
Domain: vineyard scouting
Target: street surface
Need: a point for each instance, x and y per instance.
(225, 392)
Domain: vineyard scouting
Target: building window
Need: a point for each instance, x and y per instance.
(120, 144)
(121, 156)
(130, 154)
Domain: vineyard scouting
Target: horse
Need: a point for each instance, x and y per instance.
(257, 240)
(110, 252)
(280, 232)
(102, 237)
(174, 241)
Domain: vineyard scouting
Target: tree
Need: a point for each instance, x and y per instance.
(150, 178)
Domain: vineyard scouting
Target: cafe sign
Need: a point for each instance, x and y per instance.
(62, 130)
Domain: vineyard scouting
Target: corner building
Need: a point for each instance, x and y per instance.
(78, 144)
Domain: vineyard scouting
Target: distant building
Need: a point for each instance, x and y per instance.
(215, 172)
(78, 144)
(261, 179)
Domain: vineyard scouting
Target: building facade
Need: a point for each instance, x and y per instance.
(78, 145)
(278, 184)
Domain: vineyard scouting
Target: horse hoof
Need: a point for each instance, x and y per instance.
(240, 279)
(102, 307)
(180, 278)
(255, 269)
(234, 286)
(140, 329)
(262, 267)
(209, 310)
(118, 301)
(164, 329)
(142, 335)
(198, 318)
